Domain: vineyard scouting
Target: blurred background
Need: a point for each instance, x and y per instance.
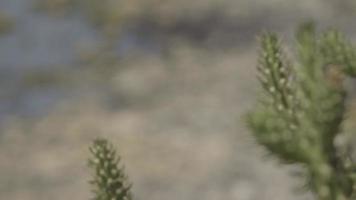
(168, 81)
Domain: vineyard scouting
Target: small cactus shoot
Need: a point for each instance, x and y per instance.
(109, 180)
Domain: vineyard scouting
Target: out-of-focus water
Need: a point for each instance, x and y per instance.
(40, 42)
(37, 42)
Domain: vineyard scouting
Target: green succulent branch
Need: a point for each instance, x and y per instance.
(109, 181)
(336, 49)
(303, 106)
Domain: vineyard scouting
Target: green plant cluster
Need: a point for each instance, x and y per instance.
(298, 117)
(109, 181)
(302, 107)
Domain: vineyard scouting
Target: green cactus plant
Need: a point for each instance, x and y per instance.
(109, 181)
(301, 110)
(298, 117)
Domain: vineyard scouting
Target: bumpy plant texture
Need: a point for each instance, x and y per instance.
(109, 181)
(301, 110)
